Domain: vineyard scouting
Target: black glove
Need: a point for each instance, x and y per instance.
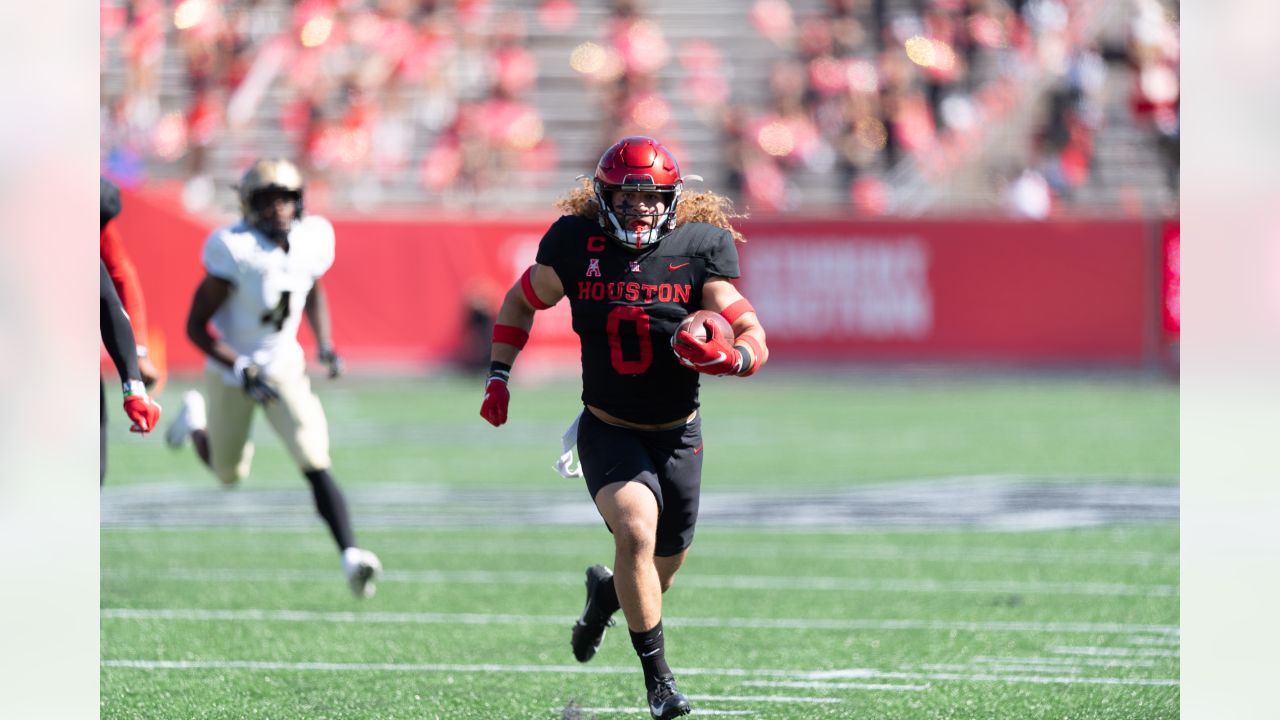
(255, 386)
(330, 357)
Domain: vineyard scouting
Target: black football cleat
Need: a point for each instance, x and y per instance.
(665, 701)
(588, 631)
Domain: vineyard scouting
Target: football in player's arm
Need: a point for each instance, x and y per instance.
(262, 275)
(635, 255)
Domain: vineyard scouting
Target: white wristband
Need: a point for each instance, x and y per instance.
(135, 387)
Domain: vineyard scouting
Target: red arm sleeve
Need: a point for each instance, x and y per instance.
(125, 278)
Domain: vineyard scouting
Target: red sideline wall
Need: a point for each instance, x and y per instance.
(1061, 292)
(955, 290)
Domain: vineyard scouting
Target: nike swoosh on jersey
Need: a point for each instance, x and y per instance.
(676, 267)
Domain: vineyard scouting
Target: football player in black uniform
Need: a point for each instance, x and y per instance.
(117, 335)
(635, 258)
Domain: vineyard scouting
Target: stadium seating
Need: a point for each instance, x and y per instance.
(377, 136)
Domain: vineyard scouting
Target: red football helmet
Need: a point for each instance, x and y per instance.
(637, 164)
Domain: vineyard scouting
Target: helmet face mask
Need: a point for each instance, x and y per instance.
(637, 164)
(639, 223)
(266, 182)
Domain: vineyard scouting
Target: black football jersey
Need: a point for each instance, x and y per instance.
(626, 305)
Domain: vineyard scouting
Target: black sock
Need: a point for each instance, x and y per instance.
(332, 507)
(605, 602)
(651, 648)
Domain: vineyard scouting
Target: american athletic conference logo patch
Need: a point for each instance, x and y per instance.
(593, 267)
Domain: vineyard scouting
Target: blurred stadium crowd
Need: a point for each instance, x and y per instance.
(864, 107)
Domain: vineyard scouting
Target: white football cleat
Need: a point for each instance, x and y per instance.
(362, 568)
(190, 417)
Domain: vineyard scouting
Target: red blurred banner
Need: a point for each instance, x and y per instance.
(1171, 278)
(971, 290)
(1057, 292)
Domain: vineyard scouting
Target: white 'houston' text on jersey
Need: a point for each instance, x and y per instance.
(261, 316)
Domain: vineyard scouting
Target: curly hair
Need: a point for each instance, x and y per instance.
(704, 207)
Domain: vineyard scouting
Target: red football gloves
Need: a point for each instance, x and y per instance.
(496, 395)
(713, 356)
(142, 410)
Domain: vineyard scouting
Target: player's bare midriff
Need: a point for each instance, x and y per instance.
(606, 417)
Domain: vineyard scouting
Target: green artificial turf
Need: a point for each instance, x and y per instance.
(249, 617)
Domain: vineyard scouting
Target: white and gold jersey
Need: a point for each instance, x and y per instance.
(261, 315)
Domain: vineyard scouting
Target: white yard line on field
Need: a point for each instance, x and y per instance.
(576, 669)
(1145, 640)
(710, 547)
(1037, 679)
(643, 711)
(982, 502)
(1032, 666)
(385, 667)
(800, 684)
(967, 677)
(995, 667)
(765, 699)
(421, 618)
(1070, 661)
(712, 582)
(1112, 651)
(261, 665)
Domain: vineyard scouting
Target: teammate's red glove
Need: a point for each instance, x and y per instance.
(713, 356)
(142, 410)
(496, 399)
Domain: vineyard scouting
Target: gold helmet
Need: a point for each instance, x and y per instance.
(275, 174)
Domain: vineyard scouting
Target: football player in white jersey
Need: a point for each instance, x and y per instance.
(262, 275)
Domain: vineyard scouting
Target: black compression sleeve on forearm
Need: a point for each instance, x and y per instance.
(117, 333)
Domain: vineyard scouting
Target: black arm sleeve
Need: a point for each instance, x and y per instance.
(108, 200)
(117, 333)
